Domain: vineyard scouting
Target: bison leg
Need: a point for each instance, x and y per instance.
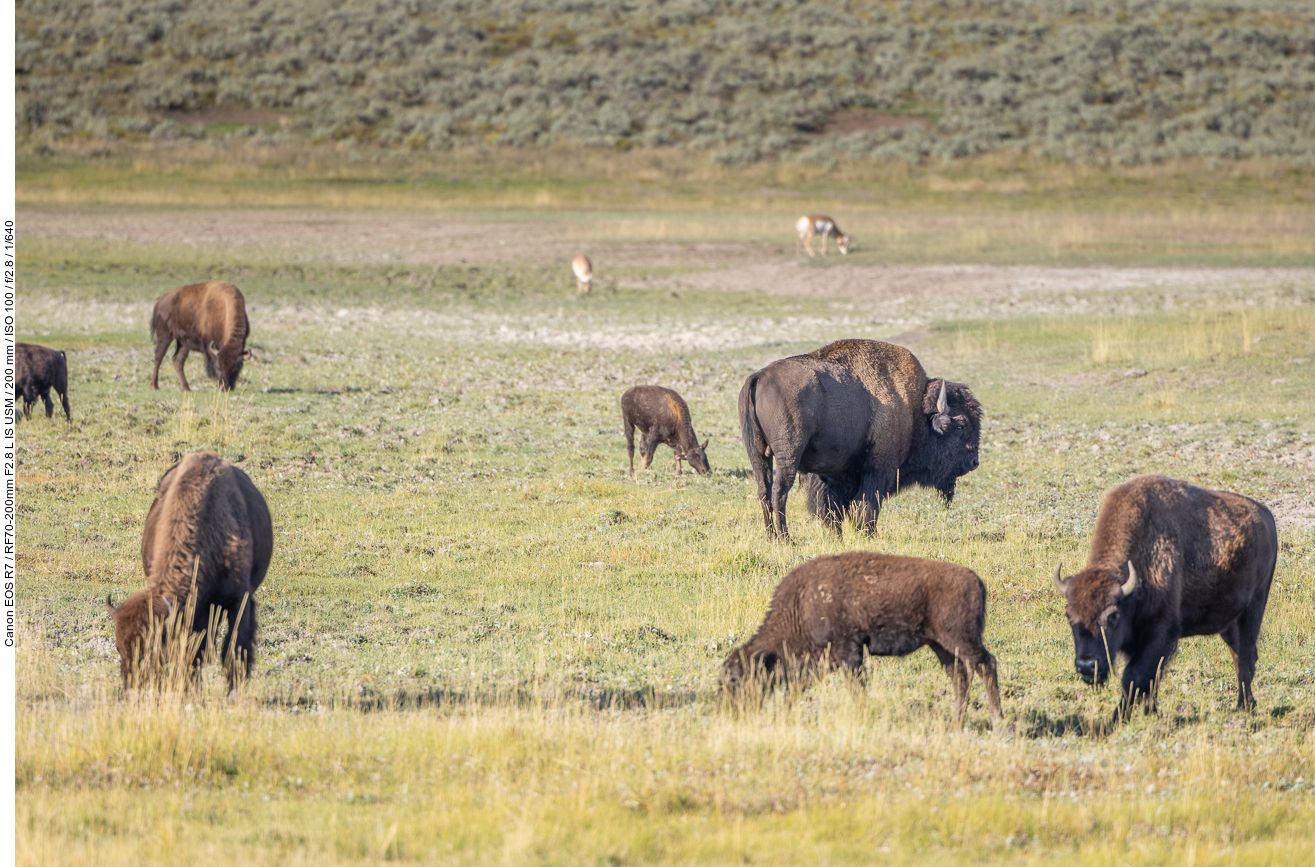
(647, 447)
(630, 445)
(960, 672)
(45, 399)
(161, 347)
(1142, 674)
(762, 476)
(63, 400)
(243, 646)
(180, 358)
(784, 479)
(1241, 636)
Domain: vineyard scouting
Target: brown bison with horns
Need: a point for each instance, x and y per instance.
(861, 420)
(836, 606)
(210, 318)
(1168, 560)
(208, 521)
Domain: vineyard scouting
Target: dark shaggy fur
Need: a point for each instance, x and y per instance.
(207, 516)
(859, 419)
(662, 417)
(37, 370)
(210, 318)
(825, 612)
(1204, 561)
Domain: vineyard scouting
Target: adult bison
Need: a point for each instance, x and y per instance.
(38, 369)
(1169, 560)
(210, 525)
(861, 420)
(209, 318)
(825, 612)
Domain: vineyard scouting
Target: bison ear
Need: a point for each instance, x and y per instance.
(705, 444)
(1131, 584)
(940, 423)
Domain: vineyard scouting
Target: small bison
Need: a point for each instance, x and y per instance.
(812, 225)
(208, 522)
(662, 417)
(835, 606)
(584, 274)
(37, 370)
(210, 318)
(1168, 560)
(860, 420)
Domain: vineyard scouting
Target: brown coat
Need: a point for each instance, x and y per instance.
(1203, 563)
(826, 611)
(210, 318)
(662, 416)
(209, 518)
(38, 369)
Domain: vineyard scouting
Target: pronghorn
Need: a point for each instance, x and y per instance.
(584, 274)
(818, 224)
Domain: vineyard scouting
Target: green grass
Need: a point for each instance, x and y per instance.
(481, 642)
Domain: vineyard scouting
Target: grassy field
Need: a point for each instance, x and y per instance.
(482, 643)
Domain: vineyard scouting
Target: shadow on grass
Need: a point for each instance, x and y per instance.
(368, 700)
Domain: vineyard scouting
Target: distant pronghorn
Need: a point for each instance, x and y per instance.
(818, 224)
(584, 274)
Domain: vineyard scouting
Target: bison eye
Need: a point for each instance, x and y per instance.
(1113, 619)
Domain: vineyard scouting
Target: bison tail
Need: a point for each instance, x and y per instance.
(750, 429)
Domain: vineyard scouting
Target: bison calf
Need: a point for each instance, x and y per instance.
(37, 370)
(208, 524)
(1168, 560)
(826, 611)
(661, 416)
(210, 318)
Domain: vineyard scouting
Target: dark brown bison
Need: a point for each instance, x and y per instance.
(861, 420)
(208, 521)
(661, 416)
(1168, 560)
(37, 370)
(210, 318)
(826, 611)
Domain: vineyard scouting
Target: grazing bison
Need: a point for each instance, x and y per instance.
(837, 605)
(207, 520)
(662, 417)
(1168, 560)
(861, 420)
(584, 274)
(37, 370)
(210, 318)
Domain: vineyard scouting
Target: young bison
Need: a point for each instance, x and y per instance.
(208, 519)
(835, 606)
(37, 370)
(662, 417)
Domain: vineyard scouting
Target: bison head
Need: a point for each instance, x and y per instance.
(224, 363)
(745, 666)
(1098, 603)
(133, 618)
(954, 420)
(698, 458)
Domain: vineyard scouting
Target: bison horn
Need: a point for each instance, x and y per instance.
(214, 349)
(1131, 584)
(1059, 580)
(168, 603)
(110, 604)
(942, 405)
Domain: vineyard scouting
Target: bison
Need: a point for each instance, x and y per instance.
(662, 417)
(38, 369)
(1168, 560)
(827, 610)
(210, 318)
(861, 420)
(209, 528)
